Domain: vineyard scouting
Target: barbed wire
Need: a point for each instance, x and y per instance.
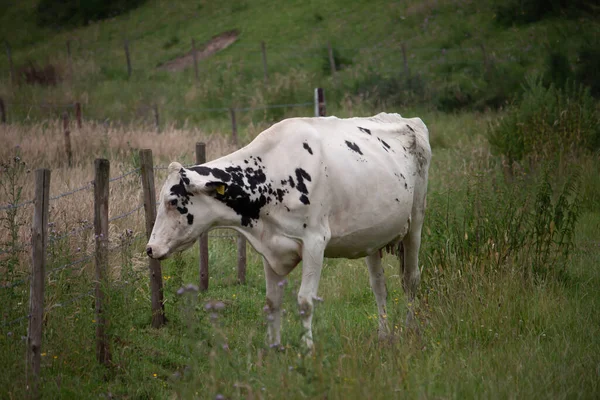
(21, 247)
(117, 178)
(49, 308)
(71, 264)
(73, 232)
(126, 214)
(128, 241)
(65, 194)
(71, 300)
(13, 206)
(15, 283)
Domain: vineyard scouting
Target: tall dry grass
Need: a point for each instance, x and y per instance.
(42, 145)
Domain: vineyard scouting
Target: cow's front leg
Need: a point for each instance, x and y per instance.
(272, 309)
(312, 264)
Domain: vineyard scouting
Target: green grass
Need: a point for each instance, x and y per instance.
(443, 40)
(487, 329)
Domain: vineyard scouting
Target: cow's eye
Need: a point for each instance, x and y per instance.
(173, 202)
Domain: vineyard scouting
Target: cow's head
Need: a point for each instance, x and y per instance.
(186, 208)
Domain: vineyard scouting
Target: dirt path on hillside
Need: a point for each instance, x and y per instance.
(217, 43)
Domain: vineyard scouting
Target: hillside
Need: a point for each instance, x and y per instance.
(457, 54)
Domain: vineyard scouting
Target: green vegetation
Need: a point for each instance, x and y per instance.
(549, 122)
(458, 57)
(509, 304)
(60, 14)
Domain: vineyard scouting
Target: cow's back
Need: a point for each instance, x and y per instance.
(362, 175)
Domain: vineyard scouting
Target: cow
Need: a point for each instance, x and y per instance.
(305, 189)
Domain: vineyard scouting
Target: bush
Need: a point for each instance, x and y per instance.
(493, 89)
(340, 60)
(547, 122)
(32, 74)
(60, 13)
(524, 227)
(509, 12)
(587, 67)
(393, 90)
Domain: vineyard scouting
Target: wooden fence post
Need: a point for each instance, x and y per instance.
(156, 119)
(78, 114)
(65, 118)
(234, 132)
(39, 239)
(264, 60)
(156, 283)
(102, 173)
(405, 61)
(69, 61)
(11, 67)
(2, 111)
(331, 60)
(126, 46)
(195, 56)
(203, 241)
(319, 103)
(241, 259)
(486, 62)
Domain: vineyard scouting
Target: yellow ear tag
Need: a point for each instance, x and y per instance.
(221, 189)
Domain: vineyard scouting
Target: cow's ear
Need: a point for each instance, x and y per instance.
(215, 188)
(175, 167)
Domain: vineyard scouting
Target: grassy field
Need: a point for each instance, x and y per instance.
(508, 306)
(491, 326)
(443, 39)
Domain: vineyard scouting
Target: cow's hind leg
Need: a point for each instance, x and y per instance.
(272, 309)
(409, 262)
(377, 280)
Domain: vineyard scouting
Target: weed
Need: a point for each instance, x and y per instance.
(548, 122)
(12, 173)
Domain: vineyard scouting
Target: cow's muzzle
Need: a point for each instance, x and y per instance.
(155, 252)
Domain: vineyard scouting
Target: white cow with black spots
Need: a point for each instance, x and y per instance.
(305, 189)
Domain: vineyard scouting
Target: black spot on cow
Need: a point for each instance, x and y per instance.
(216, 172)
(292, 184)
(186, 180)
(365, 130)
(405, 185)
(301, 175)
(239, 200)
(397, 200)
(385, 145)
(181, 192)
(354, 147)
(202, 170)
(304, 199)
(182, 210)
(304, 226)
(280, 194)
(246, 161)
(190, 219)
(307, 147)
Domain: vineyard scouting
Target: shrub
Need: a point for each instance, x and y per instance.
(547, 122)
(493, 227)
(510, 12)
(587, 67)
(393, 90)
(59, 13)
(341, 61)
(32, 74)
